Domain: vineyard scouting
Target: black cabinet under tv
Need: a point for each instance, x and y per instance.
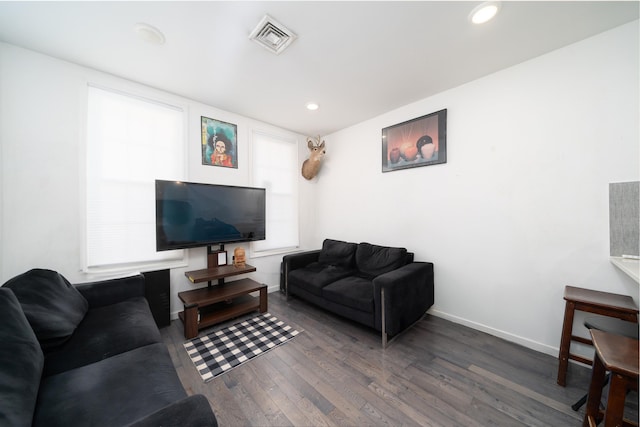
(157, 292)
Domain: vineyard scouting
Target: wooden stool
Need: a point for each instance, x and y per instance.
(612, 326)
(604, 303)
(619, 355)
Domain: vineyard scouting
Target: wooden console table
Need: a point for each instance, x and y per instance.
(205, 307)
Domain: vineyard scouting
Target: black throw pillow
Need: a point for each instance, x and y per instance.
(337, 253)
(53, 306)
(374, 260)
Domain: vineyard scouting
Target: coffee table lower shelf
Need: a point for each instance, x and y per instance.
(220, 303)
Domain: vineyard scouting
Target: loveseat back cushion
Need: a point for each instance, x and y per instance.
(374, 260)
(337, 253)
(53, 306)
(21, 362)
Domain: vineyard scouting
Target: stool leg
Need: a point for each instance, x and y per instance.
(595, 393)
(615, 401)
(565, 342)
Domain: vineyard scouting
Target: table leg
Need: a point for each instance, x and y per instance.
(565, 342)
(263, 300)
(190, 321)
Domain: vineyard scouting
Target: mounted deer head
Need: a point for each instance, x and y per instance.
(311, 166)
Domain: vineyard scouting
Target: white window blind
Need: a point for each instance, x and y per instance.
(131, 142)
(275, 167)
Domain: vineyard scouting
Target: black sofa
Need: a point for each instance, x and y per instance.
(378, 286)
(87, 355)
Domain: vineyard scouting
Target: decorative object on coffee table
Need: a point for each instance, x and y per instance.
(239, 257)
(220, 351)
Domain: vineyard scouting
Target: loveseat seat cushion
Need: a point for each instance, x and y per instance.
(53, 306)
(374, 260)
(113, 392)
(316, 276)
(21, 361)
(104, 332)
(337, 253)
(353, 291)
(194, 411)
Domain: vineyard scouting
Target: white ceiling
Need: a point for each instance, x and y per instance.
(356, 59)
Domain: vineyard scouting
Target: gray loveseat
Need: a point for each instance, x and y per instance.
(87, 355)
(378, 286)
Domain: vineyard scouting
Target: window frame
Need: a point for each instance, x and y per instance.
(182, 256)
(289, 139)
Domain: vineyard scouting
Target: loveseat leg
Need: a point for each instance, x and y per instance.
(384, 320)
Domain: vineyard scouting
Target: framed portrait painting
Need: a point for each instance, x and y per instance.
(417, 142)
(219, 143)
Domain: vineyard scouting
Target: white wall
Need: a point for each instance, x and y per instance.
(42, 116)
(520, 209)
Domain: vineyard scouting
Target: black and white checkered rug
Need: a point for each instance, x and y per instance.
(220, 351)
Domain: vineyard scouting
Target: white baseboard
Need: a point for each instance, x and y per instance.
(525, 342)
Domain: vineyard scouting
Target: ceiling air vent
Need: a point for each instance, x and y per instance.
(272, 35)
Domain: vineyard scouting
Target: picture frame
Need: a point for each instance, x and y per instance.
(417, 142)
(219, 143)
(217, 258)
(222, 258)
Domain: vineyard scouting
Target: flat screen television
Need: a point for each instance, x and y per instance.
(190, 215)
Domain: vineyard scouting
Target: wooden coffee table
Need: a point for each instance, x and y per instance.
(207, 306)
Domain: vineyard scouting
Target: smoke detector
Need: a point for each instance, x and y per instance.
(272, 35)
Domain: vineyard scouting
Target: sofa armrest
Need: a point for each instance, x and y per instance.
(107, 292)
(192, 411)
(296, 261)
(408, 294)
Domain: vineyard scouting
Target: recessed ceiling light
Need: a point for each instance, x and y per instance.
(149, 33)
(312, 106)
(484, 12)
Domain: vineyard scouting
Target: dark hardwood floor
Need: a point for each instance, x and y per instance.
(438, 373)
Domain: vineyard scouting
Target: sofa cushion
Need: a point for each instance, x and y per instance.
(113, 392)
(105, 332)
(373, 260)
(337, 253)
(315, 276)
(355, 292)
(52, 305)
(194, 411)
(21, 361)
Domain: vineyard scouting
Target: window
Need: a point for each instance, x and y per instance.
(131, 142)
(275, 167)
